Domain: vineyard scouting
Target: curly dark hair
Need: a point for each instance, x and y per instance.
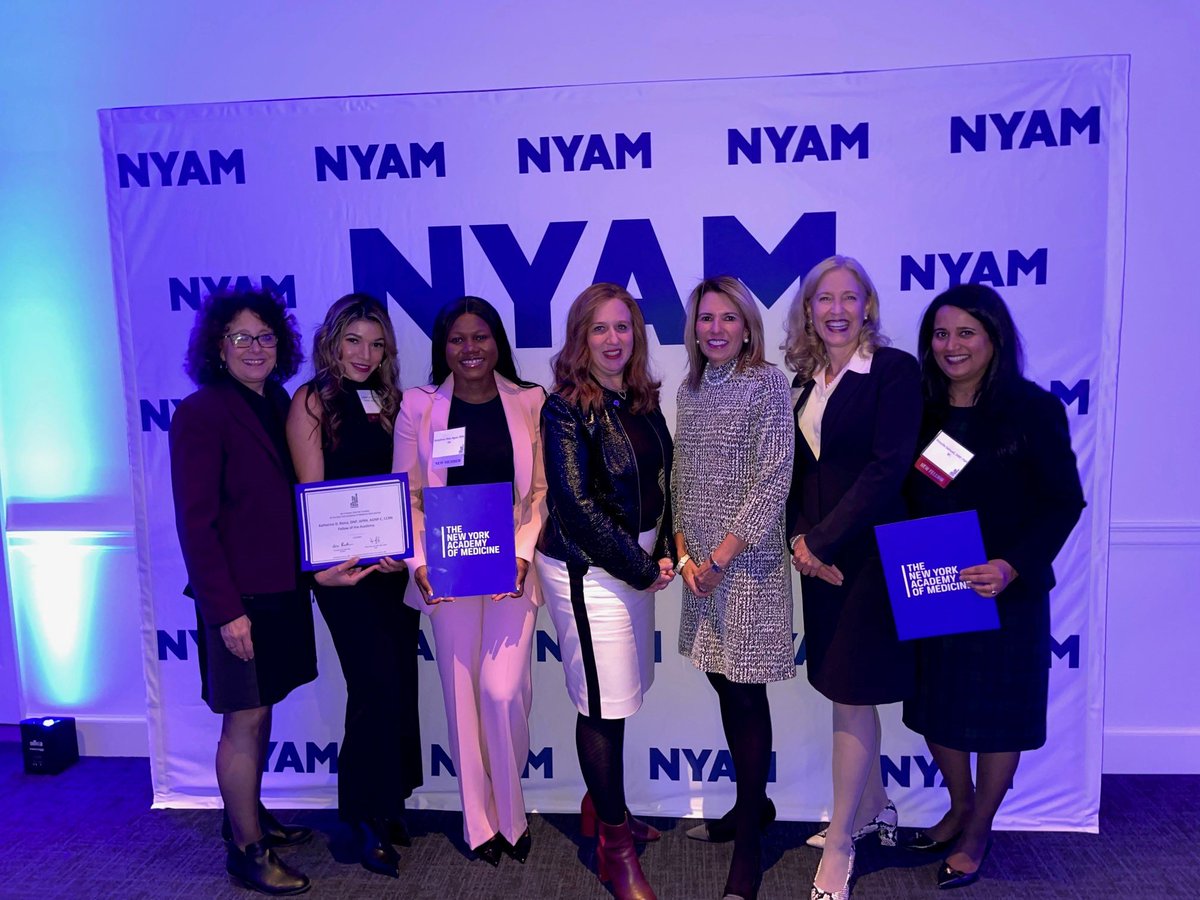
(203, 363)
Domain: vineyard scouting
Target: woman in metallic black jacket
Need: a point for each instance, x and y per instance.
(605, 549)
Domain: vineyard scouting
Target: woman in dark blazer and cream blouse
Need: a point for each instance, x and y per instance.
(858, 409)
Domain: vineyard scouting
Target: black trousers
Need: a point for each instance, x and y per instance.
(375, 635)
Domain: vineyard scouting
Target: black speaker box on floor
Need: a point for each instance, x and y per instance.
(48, 744)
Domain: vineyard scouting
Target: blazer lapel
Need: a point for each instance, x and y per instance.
(518, 430)
(844, 398)
(801, 395)
(241, 413)
(439, 419)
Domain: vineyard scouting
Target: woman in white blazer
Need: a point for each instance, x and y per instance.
(482, 643)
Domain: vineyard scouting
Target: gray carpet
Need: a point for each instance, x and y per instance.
(90, 832)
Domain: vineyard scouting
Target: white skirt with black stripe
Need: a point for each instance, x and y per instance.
(605, 635)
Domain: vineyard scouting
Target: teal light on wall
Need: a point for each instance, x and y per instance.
(54, 576)
(50, 403)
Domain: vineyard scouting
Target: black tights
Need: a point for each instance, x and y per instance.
(746, 718)
(601, 746)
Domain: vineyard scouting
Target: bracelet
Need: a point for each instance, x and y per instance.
(683, 561)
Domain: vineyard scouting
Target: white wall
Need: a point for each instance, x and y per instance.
(60, 62)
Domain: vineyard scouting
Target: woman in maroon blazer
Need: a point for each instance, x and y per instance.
(232, 477)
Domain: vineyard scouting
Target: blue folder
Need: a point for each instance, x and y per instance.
(921, 562)
(470, 547)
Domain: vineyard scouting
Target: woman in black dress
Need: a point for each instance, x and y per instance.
(985, 692)
(340, 426)
(858, 409)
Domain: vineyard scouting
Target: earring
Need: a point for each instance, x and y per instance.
(746, 339)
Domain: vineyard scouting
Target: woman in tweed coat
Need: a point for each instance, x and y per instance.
(733, 463)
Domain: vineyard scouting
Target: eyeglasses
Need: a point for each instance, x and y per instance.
(241, 340)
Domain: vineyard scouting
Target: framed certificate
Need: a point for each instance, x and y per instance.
(368, 517)
(470, 546)
(921, 562)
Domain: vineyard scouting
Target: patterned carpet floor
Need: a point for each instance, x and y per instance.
(90, 832)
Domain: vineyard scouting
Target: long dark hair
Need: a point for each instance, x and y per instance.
(327, 365)
(439, 369)
(572, 364)
(1006, 369)
(203, 363)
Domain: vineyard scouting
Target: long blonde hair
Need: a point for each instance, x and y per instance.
(803, 351)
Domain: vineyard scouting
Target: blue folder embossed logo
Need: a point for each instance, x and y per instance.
(469, 543)
(921, 562)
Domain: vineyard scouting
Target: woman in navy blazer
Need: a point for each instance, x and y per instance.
(858, 408)
(231, 478)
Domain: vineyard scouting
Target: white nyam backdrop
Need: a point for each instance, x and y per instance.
(1009, 174)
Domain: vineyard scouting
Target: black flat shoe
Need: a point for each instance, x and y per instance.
(274, 832)
(948, 878)
(258, 868)
(375, 851)
(489, 851)
(520, 850)
(921, 842)
(721, 831)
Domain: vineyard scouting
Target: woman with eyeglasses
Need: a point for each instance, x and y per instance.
(340, 426)
(232, 478)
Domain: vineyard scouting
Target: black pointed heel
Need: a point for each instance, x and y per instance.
(520, 850)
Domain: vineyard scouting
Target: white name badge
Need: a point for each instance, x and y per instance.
(449, 447)
(370, 403)
(943, 459)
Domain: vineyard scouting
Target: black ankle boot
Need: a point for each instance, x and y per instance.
(274, 832)
(258, 868)
(279, 834)
(375, 850)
